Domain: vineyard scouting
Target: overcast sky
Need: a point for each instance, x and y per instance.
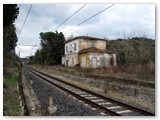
(120, 20)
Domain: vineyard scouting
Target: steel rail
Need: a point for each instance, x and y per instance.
(99, 95)
(77, 96)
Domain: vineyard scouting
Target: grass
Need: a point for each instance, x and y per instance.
(11, 104)
(100, 86)
(84, 85)
(136, 72)
(115, 95)
(131, 100)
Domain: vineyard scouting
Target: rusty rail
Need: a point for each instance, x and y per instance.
(146, 113)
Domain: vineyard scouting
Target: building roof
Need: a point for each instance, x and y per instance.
(84, 37)
(94, 50)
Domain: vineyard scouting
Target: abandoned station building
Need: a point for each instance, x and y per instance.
(87, 52)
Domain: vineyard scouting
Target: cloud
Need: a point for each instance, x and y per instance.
(110, 24)
(25, 51)
(118, 19)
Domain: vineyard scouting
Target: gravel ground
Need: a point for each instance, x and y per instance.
(141, 96)
(66, 105)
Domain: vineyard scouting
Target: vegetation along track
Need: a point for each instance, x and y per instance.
(107, 105)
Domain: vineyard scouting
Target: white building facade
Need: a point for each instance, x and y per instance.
(88, 52)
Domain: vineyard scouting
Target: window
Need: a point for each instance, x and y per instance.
(70, 48)
(66, 48)
(92, 44)
(74, 46)
(94, 61)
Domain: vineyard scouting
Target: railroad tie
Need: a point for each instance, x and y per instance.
(84, 95)
(104, 103)
(114, 107)
(75, 91)
(79, 93)
(97, 100)
(91, 97)
(124, 111)
(103, 114)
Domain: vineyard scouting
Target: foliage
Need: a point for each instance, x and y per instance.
(11, 104)
(52, 48)
(137, 50)
(9, 38)
(10, 13)
(133, 51)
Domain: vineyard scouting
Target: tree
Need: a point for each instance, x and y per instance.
(52, 47)
(10, 13)
(9, 38)
(137, 50)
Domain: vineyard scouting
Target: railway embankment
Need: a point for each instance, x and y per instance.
(139, 93)
(30, 99)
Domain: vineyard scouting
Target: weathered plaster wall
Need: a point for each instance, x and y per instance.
(63, 60)
(72, 59)
(103, 59)
(115, 59)
(71, 46)
(84, 44)
(87, 59)
(101, 45)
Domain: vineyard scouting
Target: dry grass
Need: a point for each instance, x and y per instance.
(84, 85)
(132, 100)
(102, 85)
(137, 72)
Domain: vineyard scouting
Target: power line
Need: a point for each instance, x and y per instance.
(25, 19)
(70, 17)
(90, 18)
(28, 45)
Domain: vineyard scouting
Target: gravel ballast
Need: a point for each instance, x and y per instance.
(66, 105)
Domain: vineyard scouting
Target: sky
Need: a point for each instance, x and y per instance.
(127, 21)
(118, 21)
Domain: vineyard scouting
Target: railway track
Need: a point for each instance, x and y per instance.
(96, 100)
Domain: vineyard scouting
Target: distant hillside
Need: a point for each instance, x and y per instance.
(135, 50)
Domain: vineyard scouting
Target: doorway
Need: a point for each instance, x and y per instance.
(94, 62)
(66, 62)
(83, 61)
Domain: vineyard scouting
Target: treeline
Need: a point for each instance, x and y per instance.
(137, 50)
(52, 48)
(10, 13)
